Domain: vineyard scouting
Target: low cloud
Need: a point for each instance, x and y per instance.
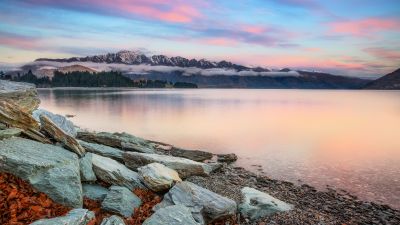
(147, 69)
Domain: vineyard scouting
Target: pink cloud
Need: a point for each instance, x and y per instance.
(10, 40)
(365, 27)
(175, 11)
(219, 41)
(383, 53)
(254, 29)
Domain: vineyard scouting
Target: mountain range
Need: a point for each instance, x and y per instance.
(206, 74)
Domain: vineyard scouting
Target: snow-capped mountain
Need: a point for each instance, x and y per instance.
(138, 58)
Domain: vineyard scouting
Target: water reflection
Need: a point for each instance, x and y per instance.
(346, 139)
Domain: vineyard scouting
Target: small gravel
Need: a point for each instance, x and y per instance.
(311, 205)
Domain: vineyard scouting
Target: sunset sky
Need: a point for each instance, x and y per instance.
(349, 37)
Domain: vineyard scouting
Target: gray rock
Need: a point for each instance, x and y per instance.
(94, 191)
(113, 220)
(122, 141)
(113, 172)
(12, 132)
(185, 167)
(158, 177)
(206, 206)
(48, 168)
(74, 217)
(172, 215)
(3, 126)
(102, 150)
(62, 122)
(86, 167)
(59, 135)
(23, 95)
(195, 155)
(228, 158)
(121, 200)
(256, 204)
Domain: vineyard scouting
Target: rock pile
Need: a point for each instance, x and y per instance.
(45, 150)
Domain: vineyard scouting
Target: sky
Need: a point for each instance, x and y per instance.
(348, 37)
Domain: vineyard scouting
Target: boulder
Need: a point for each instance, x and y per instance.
(121, 200)
(195, 155)
(185, 167)
(62, 122)
(205, 206)
(172, 215)
(113, 220)
(3, 126)
(14, 116)
(102, 150)
(122, 141)
(48, 168)
(228, 158)
(23, 95)
(12, 132)
(256, 204)
(158, 177)
(86, 167)
(94, 191)
(74, 217)
(113, 172)
(59, 135)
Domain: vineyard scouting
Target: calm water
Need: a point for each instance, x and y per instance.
(345, 139)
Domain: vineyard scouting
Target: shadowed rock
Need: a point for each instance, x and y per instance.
(48, 168)
(113, 172)
(86, 167)
(102, 150)
(122, 141)
(23, 95)
(8, 133)
(172, 215)
(121, 200)
(74, 217)
(113, 220)
(94, 191)
(59, 135)
(195, 155)
(185, 167)
(158, 177)
(205, 206)
(257, 204)
(62, 122)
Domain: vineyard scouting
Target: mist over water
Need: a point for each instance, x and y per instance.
(346, 139)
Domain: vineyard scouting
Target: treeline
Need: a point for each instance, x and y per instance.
(88, 79)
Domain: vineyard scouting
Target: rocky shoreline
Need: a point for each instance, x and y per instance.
(117, 178)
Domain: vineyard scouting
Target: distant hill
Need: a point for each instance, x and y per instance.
(390, 81)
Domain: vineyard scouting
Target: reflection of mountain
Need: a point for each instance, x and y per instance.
(204, 73)
(390, 81)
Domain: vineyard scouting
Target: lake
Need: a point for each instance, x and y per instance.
(345, 139)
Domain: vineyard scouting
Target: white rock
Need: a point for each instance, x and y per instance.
(158, 177)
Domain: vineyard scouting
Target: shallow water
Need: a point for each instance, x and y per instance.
(346, 139)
